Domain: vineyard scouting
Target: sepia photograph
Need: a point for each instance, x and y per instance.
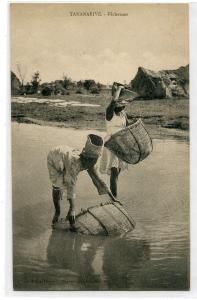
(100, 146)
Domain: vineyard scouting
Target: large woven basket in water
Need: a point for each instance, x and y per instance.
(131, 144)
(108, 218)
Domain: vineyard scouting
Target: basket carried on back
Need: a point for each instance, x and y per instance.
(131, 144)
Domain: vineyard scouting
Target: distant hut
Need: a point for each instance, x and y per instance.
(15, 85)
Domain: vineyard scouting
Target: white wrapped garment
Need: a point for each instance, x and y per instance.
(108, 159)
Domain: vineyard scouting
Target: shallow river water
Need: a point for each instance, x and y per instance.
(155, 192)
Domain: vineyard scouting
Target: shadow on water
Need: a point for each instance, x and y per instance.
(100, 262)
(78, 262)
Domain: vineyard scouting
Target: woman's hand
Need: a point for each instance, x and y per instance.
(71, 216)
(117, 92)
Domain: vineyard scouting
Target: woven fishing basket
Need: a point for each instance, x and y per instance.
(108, 218)
(131, 144)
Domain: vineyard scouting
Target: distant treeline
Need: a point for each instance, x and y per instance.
(148, 84)
(58, 87)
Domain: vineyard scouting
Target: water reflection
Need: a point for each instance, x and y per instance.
(97, 262)
(155, 256)
(123, 261)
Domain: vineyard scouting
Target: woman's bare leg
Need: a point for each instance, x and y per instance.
(56, 193)
(114, 181)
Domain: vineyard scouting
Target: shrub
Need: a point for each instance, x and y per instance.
(88, 83)
(79, 91)
(180, 123)
(46, 91)
(95, 90)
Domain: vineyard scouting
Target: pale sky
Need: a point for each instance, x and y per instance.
(46, 38)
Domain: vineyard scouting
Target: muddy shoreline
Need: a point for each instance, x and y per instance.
(164, 119)
(155, 131)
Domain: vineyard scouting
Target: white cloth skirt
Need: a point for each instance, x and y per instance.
(109, 160)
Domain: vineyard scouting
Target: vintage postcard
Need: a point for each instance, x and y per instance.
(100, 146)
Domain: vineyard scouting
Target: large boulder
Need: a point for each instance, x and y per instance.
(163, 84)
(15, 85)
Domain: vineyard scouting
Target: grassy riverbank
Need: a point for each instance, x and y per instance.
(162, 117)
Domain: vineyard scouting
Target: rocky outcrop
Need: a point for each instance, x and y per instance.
(15, 85)
(163, 84)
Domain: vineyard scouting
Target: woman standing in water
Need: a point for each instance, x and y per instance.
(116, 120)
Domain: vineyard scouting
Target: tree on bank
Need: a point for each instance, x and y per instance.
(67, 82)
(35, 82)
(89, 83)
(21, 72)
(28, 88)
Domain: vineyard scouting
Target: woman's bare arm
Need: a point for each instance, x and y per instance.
(111, 107)
(110, 110)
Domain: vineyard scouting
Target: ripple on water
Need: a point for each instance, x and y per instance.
(155, 256)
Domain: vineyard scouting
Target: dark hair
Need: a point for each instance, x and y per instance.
(118, 109)
(96, 139)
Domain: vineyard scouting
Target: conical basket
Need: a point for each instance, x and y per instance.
(131, 144)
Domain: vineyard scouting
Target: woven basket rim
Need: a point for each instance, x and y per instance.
(139, 121)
